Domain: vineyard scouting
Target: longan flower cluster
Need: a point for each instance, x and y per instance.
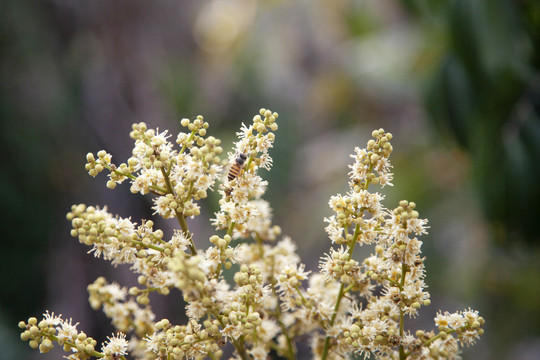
(177, 177)
(53, 328)
(396, 268)
(188, 275)
(467, 325)
(338, 265)
(397, 264)
(242, 315)
(271, 302)
(243, 213)
(123, 242)
(289, 283)
(221, 254)
(126, 314)
(359, 213)
(185, 342)
(371, 164)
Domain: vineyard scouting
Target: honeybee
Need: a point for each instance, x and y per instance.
(235, 169)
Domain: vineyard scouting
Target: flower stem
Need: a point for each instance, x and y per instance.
(93, 353)
(149, 246)
(340, 294)
(187, 141)
(231, 228)
(402, 355)
(179, 216)
(290, 354)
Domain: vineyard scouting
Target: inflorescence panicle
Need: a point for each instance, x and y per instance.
(350, 306)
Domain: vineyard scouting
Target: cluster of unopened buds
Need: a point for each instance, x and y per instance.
(271, 303)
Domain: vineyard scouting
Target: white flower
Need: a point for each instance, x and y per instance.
(115, 292)
(195, 310)
(115, 346)
(442, 319)
(212, 258)
(66, 331)
(369, 233)
(325, 310)
(383, 169)
(179, 240)
(231, 331)
(145, 179)
(265, 161)
(334, 231)
(259, 352)
(263, 144)
(340, 203)
(358, 169)
(331, 265)
(245, 131)
(268, 330)
(162, 208)
(153, 342)
(52, 319)
(125, 226)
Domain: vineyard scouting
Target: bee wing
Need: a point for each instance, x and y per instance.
(225, 173)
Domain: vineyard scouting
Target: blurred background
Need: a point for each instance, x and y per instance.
(456, 82)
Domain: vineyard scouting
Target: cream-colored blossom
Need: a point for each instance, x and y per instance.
(115, 346)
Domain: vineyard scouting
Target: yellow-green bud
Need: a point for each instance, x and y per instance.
(133, 291)
(261, 127)
(34, 330)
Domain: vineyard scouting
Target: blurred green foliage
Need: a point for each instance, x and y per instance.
(486, 95)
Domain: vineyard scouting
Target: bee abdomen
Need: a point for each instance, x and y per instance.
(233, 173)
